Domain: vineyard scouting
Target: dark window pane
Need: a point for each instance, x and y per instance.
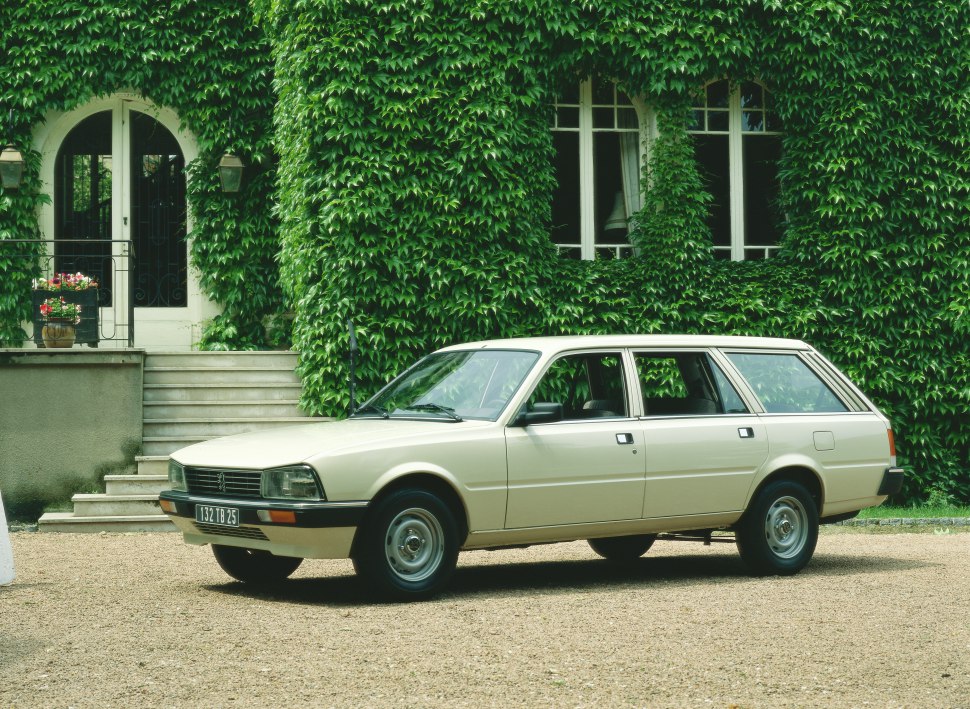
(158, 210)
(762, 216)
(567, 117)
(717, 94)
(602, 92)
(608, 187)
(603, 118)
(711, 152)
(627, 118)
(751, 95)
(622, 99)
(752, 121)
(565, 199)
(83, 203)
(717, 121)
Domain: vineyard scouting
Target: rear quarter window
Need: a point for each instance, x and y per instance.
(785, 384)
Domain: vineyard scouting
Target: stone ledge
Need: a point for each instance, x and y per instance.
(908, 522)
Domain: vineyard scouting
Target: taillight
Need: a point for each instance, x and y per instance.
(892, 448)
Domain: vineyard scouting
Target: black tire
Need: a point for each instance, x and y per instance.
(254, 566)
(623, 548)
(778, 532)
(407, 548)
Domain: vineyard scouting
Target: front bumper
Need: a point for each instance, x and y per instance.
(892, 481)
(318, 530)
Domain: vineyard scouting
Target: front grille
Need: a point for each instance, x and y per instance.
(243, 532)
(223, 481)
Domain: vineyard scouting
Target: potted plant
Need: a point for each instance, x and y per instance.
(60, 319)
(71, 288)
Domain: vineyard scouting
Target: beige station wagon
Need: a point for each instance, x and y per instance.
(620, 440)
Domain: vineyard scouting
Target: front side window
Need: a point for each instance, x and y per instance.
(785, 384)
(597, 141)
(737, 145)
(684, 384)
(475, 384)
(586, 385)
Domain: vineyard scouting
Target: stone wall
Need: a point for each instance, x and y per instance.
(67, 418)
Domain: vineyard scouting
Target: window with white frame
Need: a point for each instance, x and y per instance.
(598, 144)
(737, 143)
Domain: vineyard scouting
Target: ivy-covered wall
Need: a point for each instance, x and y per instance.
(416, 177)
(206, 60)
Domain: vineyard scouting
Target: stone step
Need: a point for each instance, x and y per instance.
(153, 446)
(101, 505)
(135, 484)
(223, 360)
(213, 428)
(152, 464)
(250, 391)
(67, 522)
(211, 375)
(282, 408)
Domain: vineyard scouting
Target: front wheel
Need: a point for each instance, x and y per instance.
(778, 533)
(253, 565)
(623, 548)
(408, 546)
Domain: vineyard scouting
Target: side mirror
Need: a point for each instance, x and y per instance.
(542, 412)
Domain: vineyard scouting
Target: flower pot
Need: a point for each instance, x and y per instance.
(59, 333)
(87, 330)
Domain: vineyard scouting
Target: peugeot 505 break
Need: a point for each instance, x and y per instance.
(620, 440)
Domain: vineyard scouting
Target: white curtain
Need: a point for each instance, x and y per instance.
(630, 165)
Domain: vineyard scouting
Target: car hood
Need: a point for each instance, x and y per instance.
(290, 445)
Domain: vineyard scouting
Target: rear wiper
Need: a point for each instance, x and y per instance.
(372, 407)
(437, 408)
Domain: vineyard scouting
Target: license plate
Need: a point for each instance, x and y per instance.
(223, 516)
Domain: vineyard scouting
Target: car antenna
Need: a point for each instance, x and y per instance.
(354, 349)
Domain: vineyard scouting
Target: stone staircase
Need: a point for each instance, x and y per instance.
(188, 397)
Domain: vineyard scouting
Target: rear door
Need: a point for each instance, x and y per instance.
(703, 443)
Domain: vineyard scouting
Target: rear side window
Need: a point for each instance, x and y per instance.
(684, 384)
(785, 384)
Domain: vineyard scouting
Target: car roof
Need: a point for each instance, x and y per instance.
(573, 342)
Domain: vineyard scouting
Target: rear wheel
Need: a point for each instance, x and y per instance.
(778, 533)
(623, 548)
(408, 546)
(253, 565)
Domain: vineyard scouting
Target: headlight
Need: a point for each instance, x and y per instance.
(297, 482)
(176, 476)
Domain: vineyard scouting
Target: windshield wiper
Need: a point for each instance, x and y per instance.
(437, 408)
(372, 407)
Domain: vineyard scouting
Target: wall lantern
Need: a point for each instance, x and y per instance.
(230, 173)
(11, 167)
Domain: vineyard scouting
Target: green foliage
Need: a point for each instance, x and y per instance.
(416, 176)
(208, 62)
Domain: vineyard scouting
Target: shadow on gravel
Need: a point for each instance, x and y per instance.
(554, 577)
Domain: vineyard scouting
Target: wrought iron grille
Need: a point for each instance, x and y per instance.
(104, 316)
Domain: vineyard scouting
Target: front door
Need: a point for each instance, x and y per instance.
(119, 190)
(587, 467)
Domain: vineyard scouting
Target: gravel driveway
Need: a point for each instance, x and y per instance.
(144, 620)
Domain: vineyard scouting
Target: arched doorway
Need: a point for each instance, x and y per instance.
(117, 181)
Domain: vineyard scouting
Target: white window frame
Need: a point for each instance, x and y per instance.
(735, 133)
(646, 121)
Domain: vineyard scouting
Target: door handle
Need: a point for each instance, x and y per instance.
(624, 439)
(746, 432)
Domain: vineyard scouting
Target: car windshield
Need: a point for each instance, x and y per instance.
(453, 386)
